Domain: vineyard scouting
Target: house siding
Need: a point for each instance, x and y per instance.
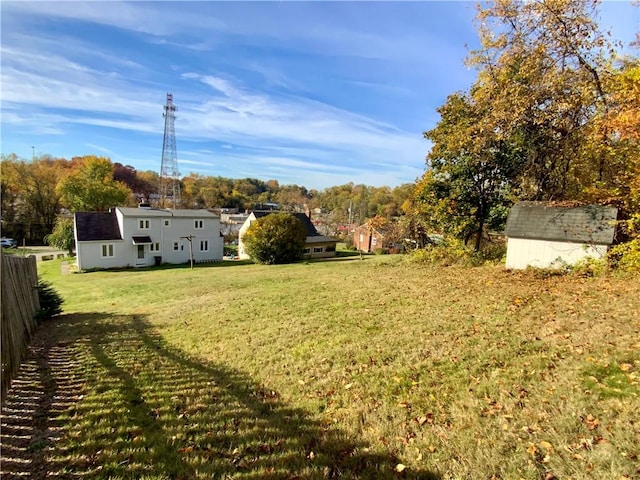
(523, 253)
(89, 254)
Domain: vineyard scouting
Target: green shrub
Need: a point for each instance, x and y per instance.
(50, 301)
(626, 256)
(455, 252)
(589, 267)
(446, 253)
(275, 238)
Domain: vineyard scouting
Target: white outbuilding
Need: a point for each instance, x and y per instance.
(548, 235)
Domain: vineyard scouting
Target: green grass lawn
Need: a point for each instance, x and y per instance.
(356, 368)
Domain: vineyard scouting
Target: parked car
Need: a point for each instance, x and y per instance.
(8, 242)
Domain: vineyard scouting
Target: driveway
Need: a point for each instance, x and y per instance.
(43, 252)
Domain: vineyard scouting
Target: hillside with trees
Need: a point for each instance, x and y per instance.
(35, 193)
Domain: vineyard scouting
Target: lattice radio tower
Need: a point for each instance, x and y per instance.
(169, 175)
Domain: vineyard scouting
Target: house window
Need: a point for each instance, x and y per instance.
(374, 241)
(361, 238)
(167, 222)
(176, 246)
(154, 247)
(330, 248)
(107, 250)
(306, 251)
(204, 245)
(198, 224)
(318, 249)
(143, 224)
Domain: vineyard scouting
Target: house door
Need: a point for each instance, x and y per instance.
(140, 254)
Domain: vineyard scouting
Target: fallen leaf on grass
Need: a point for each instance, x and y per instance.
(546, 445)
(591, 422)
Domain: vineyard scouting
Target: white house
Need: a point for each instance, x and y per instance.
(316, 245)
(140, 237)
(545, 235)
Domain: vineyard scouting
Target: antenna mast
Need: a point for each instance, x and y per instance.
(169, 175)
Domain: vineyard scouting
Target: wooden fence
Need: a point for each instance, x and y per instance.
(20, 304)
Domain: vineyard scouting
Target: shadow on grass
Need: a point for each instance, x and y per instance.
(104, 396)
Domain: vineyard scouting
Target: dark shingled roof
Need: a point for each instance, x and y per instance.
(594, 224)
(97, 226)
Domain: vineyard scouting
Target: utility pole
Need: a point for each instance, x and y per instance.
(33, 153)
(189, 238)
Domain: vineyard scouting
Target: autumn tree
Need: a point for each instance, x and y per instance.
(541, 69)
(140, 185)
(62, 235)
(468, 182)
(30, 199)
(275, 238)
(91, 187)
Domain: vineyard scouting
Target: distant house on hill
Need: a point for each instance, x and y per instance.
(140, 237)
(544, 235)
(368, 239)
(316, 245)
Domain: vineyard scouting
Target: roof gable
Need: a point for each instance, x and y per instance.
(92, 226)
(594, 224)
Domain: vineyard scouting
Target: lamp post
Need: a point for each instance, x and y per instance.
(33, 153)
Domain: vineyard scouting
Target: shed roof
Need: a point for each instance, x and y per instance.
(594, 224)
(92, 226)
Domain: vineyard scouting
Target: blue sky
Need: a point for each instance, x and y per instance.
(311, 93)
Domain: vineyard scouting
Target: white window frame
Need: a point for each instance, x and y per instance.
(167, 222)
(154, 247)
(306, 251)
(176, 246)
(106, 250)
(204, 245)
(144, 224)
(198, 224)
(318, 249)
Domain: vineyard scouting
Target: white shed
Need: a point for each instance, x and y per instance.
(546, 235)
